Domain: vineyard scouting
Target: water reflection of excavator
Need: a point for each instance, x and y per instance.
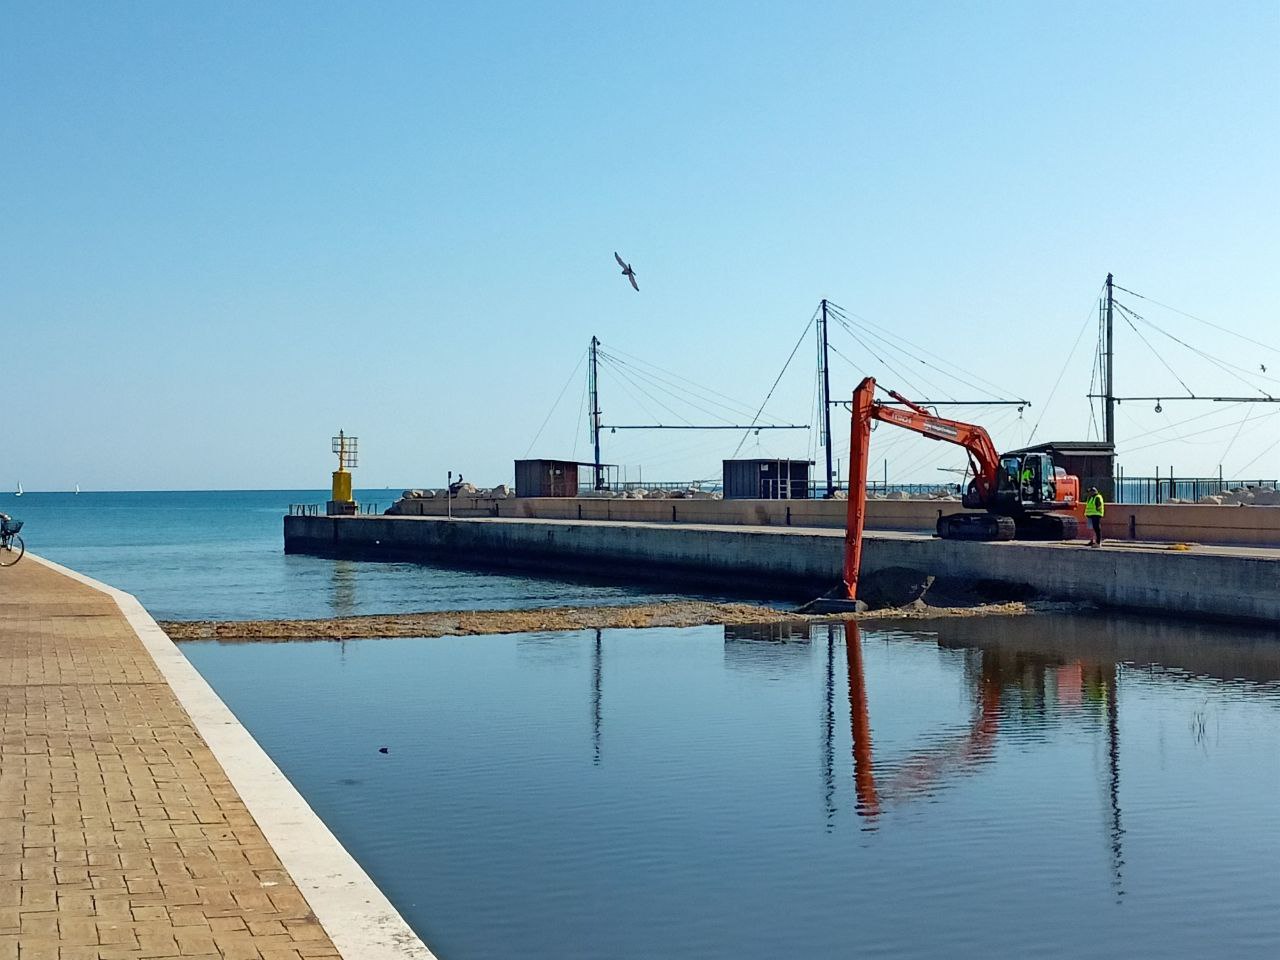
(925, 768)
(1023, 495)
(974, 746)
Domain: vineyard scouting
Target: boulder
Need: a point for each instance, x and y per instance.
(501, 492)
(1210, 499)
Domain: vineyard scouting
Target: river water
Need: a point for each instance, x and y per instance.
(1018, 787)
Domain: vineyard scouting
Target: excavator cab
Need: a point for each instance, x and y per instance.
(1025, 482)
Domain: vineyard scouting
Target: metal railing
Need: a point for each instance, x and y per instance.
(319, 510)
(1140, 490)
(623, 486)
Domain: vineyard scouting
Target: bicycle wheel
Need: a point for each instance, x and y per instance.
(11, 551)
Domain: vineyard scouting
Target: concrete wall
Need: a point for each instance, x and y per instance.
(1193, 523)
(784, 561)
(919, 515)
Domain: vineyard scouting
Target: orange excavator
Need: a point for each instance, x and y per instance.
(1021, 495)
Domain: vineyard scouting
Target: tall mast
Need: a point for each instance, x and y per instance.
(1109, 415)
(823, 362)
(593, 386)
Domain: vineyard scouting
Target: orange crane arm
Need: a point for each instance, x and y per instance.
(983, 457)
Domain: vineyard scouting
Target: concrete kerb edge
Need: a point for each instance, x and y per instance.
(359, 919)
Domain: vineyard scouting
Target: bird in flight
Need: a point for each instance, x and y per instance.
(626, 270)
(1263, 366)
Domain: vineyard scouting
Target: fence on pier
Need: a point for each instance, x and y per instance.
(318, 509)
(1165, 489)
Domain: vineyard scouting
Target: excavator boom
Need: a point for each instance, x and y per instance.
(1041, 512)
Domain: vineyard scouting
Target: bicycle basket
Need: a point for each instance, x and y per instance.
(10, 527)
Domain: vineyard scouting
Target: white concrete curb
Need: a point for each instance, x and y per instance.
(359, 919)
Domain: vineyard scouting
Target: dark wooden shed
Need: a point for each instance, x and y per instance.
(766, 479)
(546, 478)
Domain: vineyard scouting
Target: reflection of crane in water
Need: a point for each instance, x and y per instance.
(966, 751)
(597, 668)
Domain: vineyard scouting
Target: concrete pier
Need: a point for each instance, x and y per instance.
(1215, 582)
(138, 818)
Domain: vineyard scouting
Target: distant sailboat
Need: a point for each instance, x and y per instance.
(77, 489)
(19, 491)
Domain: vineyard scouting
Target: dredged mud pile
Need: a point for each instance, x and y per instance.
(686, 613)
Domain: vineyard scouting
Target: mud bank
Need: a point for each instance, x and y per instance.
(475, 622)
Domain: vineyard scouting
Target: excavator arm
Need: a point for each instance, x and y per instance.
(983, 457)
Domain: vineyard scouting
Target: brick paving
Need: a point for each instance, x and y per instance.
(120, 834)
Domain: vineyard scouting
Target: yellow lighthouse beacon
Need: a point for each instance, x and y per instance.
(343, 504)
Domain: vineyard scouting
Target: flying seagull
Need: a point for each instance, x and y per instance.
(626, 270)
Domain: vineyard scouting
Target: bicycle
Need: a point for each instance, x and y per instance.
(11, 546)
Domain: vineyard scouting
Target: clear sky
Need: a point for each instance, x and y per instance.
(227, 230)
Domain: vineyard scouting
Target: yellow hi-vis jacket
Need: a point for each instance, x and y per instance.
(1094, 507)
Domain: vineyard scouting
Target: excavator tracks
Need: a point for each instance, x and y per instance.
(976, 526)
(989, 526)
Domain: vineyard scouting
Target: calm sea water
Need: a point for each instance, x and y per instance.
(220, 555)
(1022, 787)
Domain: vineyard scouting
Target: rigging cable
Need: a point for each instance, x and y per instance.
(559, 397)
(778, 380)
(1267, 450)
(1191, 316)
(581, 421)
(885, 363)
(887, 333)
(1236, 436)
(934, 387)
(624, 374)
(654, 384)
(1125, 313)
(1079, 336)
(1223, 365)
(734, 404)
(1196, 433)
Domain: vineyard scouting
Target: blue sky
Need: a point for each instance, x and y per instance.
(231, 229)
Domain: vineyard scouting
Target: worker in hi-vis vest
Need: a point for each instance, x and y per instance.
(1094, 508)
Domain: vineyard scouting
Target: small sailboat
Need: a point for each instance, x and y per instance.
(18, 493)
(77, 489)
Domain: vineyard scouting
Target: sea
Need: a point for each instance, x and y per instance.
(219, 555)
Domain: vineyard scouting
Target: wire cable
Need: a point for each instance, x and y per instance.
(1070, 354)
(641, 375)
(1223, 365)
(968, 373)
(1124, 312)
(559, 397)
(1191, 316)
(755, 419)
(1271, 446)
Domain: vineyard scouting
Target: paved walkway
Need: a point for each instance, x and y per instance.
(120, 835)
